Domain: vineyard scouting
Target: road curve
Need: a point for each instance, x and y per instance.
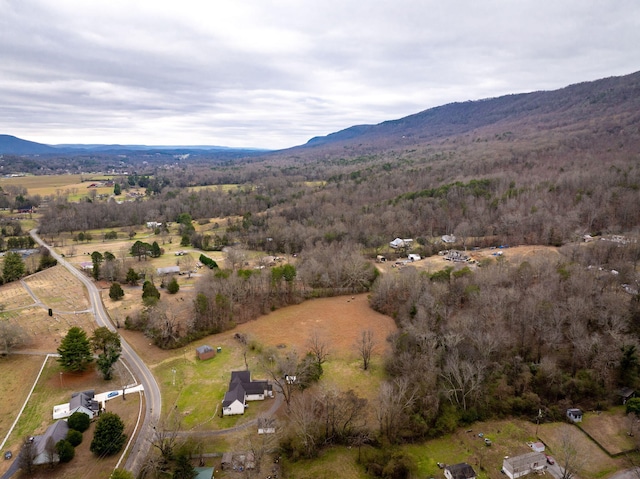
(141, 446)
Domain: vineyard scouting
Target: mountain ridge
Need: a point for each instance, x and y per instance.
(612, 103)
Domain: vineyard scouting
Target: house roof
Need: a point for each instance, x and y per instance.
(168, 270)
(203, 472)
(525, 461)
(204, 349)
(84, 399)
(256, 387)
(461, 471)
(574, 411)
(626, 392)
(233, 395)
(242, 376)
(58, 431)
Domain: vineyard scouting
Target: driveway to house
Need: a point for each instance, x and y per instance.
(140, 448)
(633, 473)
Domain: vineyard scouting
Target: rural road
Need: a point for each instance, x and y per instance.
(141, 446)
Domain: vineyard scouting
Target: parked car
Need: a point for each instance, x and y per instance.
(8, 455)
(112, 394)
(550, 460)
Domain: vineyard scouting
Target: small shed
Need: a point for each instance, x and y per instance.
(205, 352)
(625, 394)
(537, 446)
(574, 414)
(227, 461)
(459, 471)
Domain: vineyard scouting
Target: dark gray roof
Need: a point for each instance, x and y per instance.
(85, 399)
(204, 349)
(235, 394)
(242, 376)
(461, 471)
(58, 431)
(256, 387)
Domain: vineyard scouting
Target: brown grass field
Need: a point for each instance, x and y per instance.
(609, 429)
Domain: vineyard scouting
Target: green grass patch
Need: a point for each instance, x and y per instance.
(335, 462)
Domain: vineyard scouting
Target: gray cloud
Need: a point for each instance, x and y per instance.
(275, 73)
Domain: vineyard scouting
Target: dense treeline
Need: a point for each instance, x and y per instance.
(506, 339)
(225, 297)
(421, 198)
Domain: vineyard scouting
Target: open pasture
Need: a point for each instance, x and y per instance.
(70, 186)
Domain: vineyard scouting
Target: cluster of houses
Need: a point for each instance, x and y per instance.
(241, 390)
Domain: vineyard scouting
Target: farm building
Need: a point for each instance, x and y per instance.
(524, 464)
(205, 352)
(459, 471)
(574, 414)
(56, 432)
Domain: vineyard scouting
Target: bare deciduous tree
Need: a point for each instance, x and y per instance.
(461, 379)
(569, 458)
(27, 456)
(12, 336)
(364, 346)
(394, 402)
(284, 372)
(318, 347)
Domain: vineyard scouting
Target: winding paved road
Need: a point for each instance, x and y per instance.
(140, 447)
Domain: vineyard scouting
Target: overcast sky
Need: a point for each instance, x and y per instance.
(272, 74)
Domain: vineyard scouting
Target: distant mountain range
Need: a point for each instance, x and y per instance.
(601, 107)
(16, 146)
